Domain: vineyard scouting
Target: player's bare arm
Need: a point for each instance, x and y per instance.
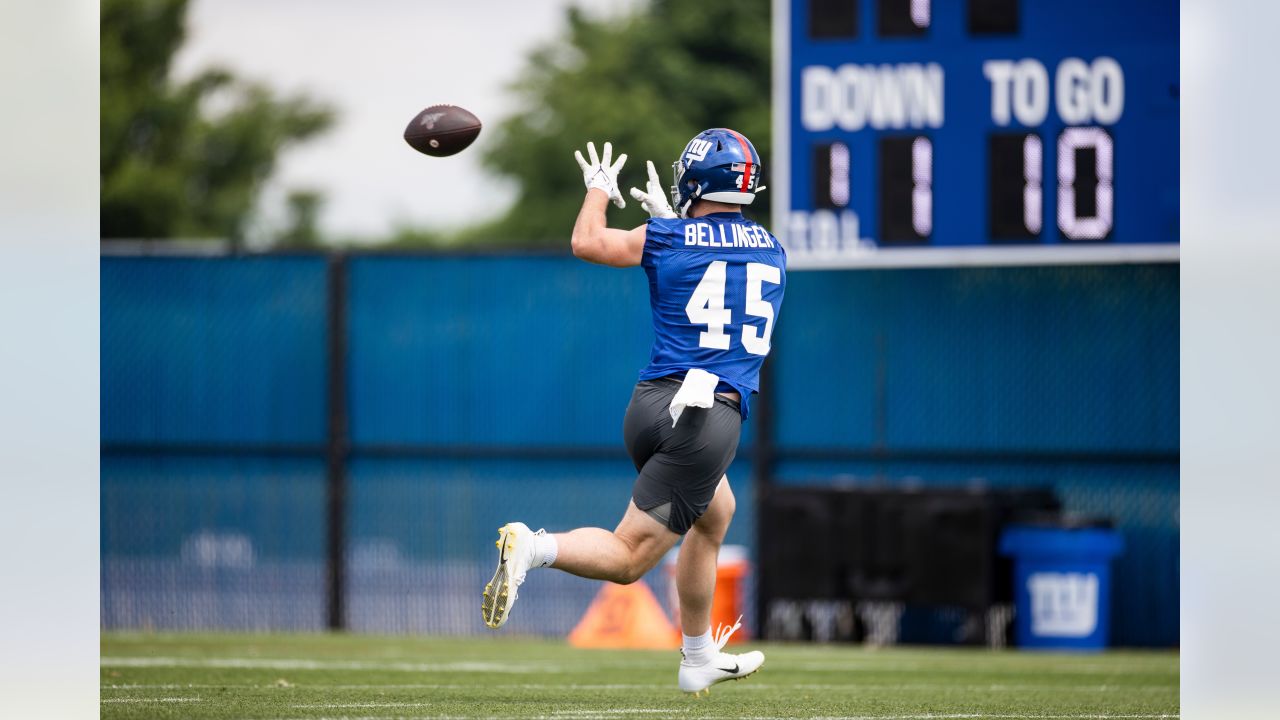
(593, 240)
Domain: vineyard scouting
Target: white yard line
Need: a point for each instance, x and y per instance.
(826, 687)
(1003, 687)
(576, 714)
(299, 664)
(958, 716)
(334, 706)
(151, 700)
(384, 718)
(169, 686)
(968, 716)
(403, 686)
(940, 716)
(892, 666)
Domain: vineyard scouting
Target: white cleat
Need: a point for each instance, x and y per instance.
(723, 666)
(515, 557)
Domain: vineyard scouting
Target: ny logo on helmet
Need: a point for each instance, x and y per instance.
(697, 149)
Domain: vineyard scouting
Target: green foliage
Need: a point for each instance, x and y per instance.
(648, 83)
(303, 232)
(184, 159)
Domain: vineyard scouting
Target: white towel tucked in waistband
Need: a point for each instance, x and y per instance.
(697, 390)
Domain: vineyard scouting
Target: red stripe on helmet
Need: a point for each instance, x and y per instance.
(746, 152)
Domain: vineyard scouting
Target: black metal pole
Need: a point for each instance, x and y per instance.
(336, 486)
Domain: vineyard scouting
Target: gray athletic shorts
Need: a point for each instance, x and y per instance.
(679, 466)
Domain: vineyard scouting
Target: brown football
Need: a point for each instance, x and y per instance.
(442, 130)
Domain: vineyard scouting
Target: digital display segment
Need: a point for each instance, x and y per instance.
(1015, 190)
(906, 189)
(992, 17)
(833, 19)
(831, 175)
(928, 127)
(903, 18)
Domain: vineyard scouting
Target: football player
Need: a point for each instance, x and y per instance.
(716, 281)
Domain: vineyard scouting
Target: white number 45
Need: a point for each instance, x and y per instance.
(706, 307)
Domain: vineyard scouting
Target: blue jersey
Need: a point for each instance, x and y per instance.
(715, 288)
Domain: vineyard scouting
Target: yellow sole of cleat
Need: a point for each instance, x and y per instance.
(700, 693)
(493, 606)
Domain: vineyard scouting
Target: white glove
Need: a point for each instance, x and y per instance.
(600, 174)
(654, 201)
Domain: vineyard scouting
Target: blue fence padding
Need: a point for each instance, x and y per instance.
(543, 352)
(493, 351)
(213, 543)
(451, 509)
(152, 506)
(422, 537)
(213, 350)
(502, 351)
(1057, 358)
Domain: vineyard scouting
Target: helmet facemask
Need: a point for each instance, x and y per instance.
(678, 169)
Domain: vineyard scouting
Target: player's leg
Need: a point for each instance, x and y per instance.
(705, 663)
(622, 556)
(680, 467)
(645, 533)
(696, 567)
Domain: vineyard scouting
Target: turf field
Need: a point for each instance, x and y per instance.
(360, 676)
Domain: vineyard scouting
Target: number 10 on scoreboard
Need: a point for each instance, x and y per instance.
(1085, 194)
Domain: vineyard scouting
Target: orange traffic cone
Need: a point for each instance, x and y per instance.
(625, 616)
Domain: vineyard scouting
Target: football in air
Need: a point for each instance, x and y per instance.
(442, 130)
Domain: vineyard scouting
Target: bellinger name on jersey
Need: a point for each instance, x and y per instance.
(702, 234)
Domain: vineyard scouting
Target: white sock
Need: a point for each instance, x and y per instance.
(545, 549)
(697, 648)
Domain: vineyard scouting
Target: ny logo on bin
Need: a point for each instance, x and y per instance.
(1063, 604)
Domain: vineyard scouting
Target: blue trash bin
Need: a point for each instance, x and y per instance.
(1062, 585)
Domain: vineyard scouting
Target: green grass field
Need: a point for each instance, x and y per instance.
(360, 676)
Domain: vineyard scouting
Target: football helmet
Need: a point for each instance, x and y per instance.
(719, 165)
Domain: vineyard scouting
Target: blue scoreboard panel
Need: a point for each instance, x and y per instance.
(943, 132)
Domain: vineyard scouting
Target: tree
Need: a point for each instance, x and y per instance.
(171, 166)
(647, 82)
(303, 232)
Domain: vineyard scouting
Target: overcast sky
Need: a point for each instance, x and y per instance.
(380, 62)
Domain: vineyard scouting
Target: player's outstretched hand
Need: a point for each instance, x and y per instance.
(654, 201)
(600, 174)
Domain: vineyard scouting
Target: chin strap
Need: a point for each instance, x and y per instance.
(721, 636)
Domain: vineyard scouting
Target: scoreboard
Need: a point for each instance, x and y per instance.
(970, 132)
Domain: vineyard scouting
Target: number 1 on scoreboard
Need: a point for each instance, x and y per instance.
(1015, 185)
